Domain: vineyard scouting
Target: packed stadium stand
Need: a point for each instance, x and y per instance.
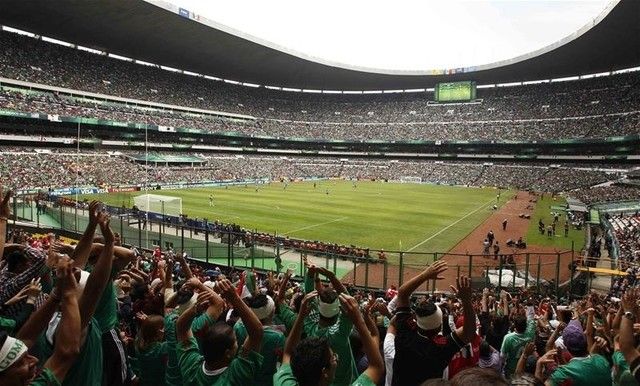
(590, 108)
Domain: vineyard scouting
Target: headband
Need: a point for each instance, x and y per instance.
(266, 310)
(329, 310)
(430, 322)
(11, 351)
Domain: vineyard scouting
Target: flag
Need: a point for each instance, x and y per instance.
(246, 285)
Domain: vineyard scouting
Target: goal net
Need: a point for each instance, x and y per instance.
(410, 179)
(156, 203)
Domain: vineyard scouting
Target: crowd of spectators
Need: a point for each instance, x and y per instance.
(596, 126)
(626, 232)
(612, 193)
(95, 312)
(588, 108)
(23, 169)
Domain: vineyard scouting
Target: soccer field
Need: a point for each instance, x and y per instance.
(393, 216)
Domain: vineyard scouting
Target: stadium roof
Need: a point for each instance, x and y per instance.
(159, 32)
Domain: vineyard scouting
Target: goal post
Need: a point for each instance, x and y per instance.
(166, 205)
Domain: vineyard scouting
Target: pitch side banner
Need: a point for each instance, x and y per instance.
(123, 189)
(69, 191)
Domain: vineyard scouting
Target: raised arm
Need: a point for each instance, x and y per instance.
(589, 331)
(528, 350)
(432, 272)
(68, 334)
(183, 324)
(250, 320)
(617, 320)
(335, 283)
(468, 329)
(504, 300)
(554, 336)
(39, 319)
(485, 295)
(296, 330)
(184, 266)
(370, 344)
(122, 256)
(627, 342)
(99, 277)
(83, 249)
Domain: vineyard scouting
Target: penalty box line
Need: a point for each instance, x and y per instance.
(316, 225)
(450, 225)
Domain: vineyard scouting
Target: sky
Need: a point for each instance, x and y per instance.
(404, 34)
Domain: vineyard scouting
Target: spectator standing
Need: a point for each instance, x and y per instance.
(421, 353)
(514, 342)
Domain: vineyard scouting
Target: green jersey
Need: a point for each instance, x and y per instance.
(513, 345)
(46, 378)
(272, 348)
(621, 374)
(593, 369)
(172, 373)
(87, 369)
(337, 335)
(199, 323)
(173, 377)
(285, 377)
(241, 371)
(152, 364)
(107, 309)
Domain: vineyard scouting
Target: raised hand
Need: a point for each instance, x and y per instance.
(52, 258)
(630, 299)
(103, 220)
(226, 290)
(435, 270)
(34, 288)
(282, 289)
(463, 288)
(349, 306)
(94, 210)
(529, 349)
(600, 345)
(548, 357)
(66, 282)
(25, 292)
(205, 299)
(305, 304)
(194, 283)
(561, 326)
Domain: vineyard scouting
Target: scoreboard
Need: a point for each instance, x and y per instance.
(455, 91)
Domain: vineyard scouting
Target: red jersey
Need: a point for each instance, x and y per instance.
(465, 358)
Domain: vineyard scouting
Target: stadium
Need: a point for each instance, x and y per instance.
(221, 159)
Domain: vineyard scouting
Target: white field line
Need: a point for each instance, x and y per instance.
(316, 225)
(450, 225)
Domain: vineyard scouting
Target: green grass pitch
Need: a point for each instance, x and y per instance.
(393, 216)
